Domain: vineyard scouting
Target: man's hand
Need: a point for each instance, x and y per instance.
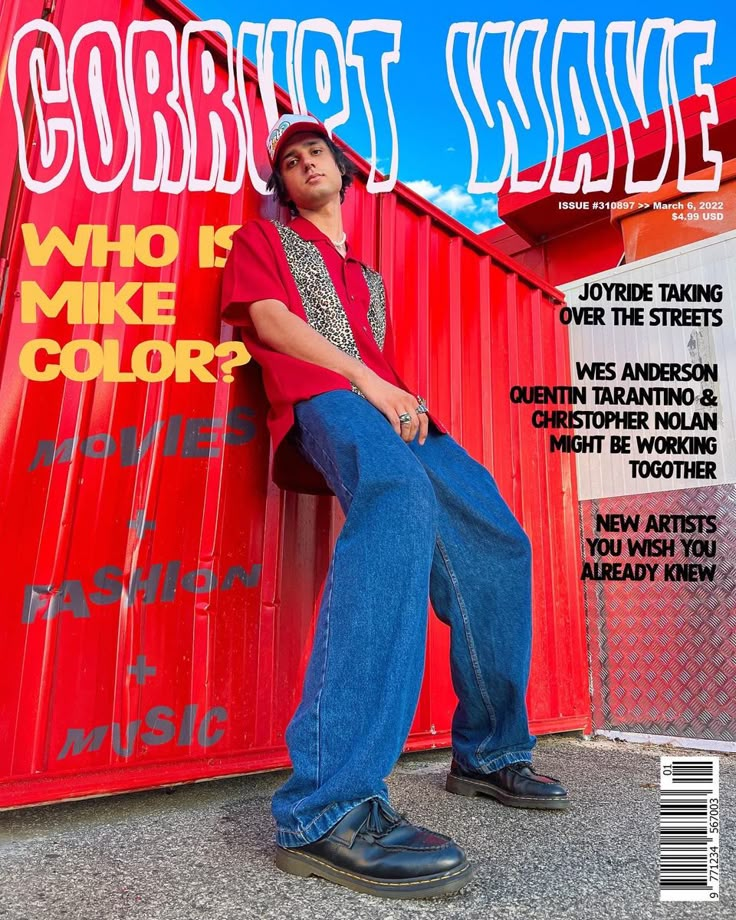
(290, 334)
(393, 402)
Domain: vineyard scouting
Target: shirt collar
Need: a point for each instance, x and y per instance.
(312, 234)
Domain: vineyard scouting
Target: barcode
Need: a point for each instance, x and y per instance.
(689, 824)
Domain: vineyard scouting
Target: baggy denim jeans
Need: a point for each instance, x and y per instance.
(420, 522)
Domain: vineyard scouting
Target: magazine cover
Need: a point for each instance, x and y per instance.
(367, 425)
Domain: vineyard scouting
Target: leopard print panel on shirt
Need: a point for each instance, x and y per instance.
(322, 306)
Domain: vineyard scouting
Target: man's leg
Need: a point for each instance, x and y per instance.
(481, 587)
(365, 670)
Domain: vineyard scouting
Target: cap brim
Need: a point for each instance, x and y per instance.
(298, 128)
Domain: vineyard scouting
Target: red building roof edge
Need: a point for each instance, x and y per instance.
(534, 215)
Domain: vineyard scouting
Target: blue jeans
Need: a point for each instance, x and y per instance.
(420, 522)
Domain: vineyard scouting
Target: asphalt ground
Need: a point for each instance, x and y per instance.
(205, 850)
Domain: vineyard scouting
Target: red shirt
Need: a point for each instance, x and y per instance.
(257, 269)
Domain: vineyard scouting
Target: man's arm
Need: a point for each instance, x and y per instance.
(287, 333)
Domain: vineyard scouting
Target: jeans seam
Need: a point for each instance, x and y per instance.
(314, 448)
(328, 611)
(469, 641)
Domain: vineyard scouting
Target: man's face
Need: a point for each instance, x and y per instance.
(309, 171)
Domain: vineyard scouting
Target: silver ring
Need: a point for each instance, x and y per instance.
(421, 409)
(421, 402)
(405, 418)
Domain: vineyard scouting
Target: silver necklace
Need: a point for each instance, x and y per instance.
(341, 242)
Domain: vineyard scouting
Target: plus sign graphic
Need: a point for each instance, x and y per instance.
(140, 670)
(140, 523)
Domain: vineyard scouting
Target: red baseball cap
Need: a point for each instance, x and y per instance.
(286, 127)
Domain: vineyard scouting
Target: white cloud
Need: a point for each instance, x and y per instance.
(424, 188)
(455, 201)
(488, 206)
(480, 214)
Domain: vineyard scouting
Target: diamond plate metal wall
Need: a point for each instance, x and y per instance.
(663, 653)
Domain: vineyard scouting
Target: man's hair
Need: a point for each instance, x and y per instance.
(277, 185)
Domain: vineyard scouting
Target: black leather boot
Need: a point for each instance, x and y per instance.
(375, 850)
(517, 785)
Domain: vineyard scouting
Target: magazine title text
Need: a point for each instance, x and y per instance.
(169, 111)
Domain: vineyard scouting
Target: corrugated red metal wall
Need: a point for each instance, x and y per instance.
(158, 591)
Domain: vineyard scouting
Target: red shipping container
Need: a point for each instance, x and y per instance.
(159, 592)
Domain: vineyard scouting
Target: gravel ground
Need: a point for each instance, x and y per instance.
(205, 850)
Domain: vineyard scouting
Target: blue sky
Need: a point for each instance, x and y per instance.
(433, 143)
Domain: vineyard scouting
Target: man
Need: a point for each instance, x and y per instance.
(422, 519)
